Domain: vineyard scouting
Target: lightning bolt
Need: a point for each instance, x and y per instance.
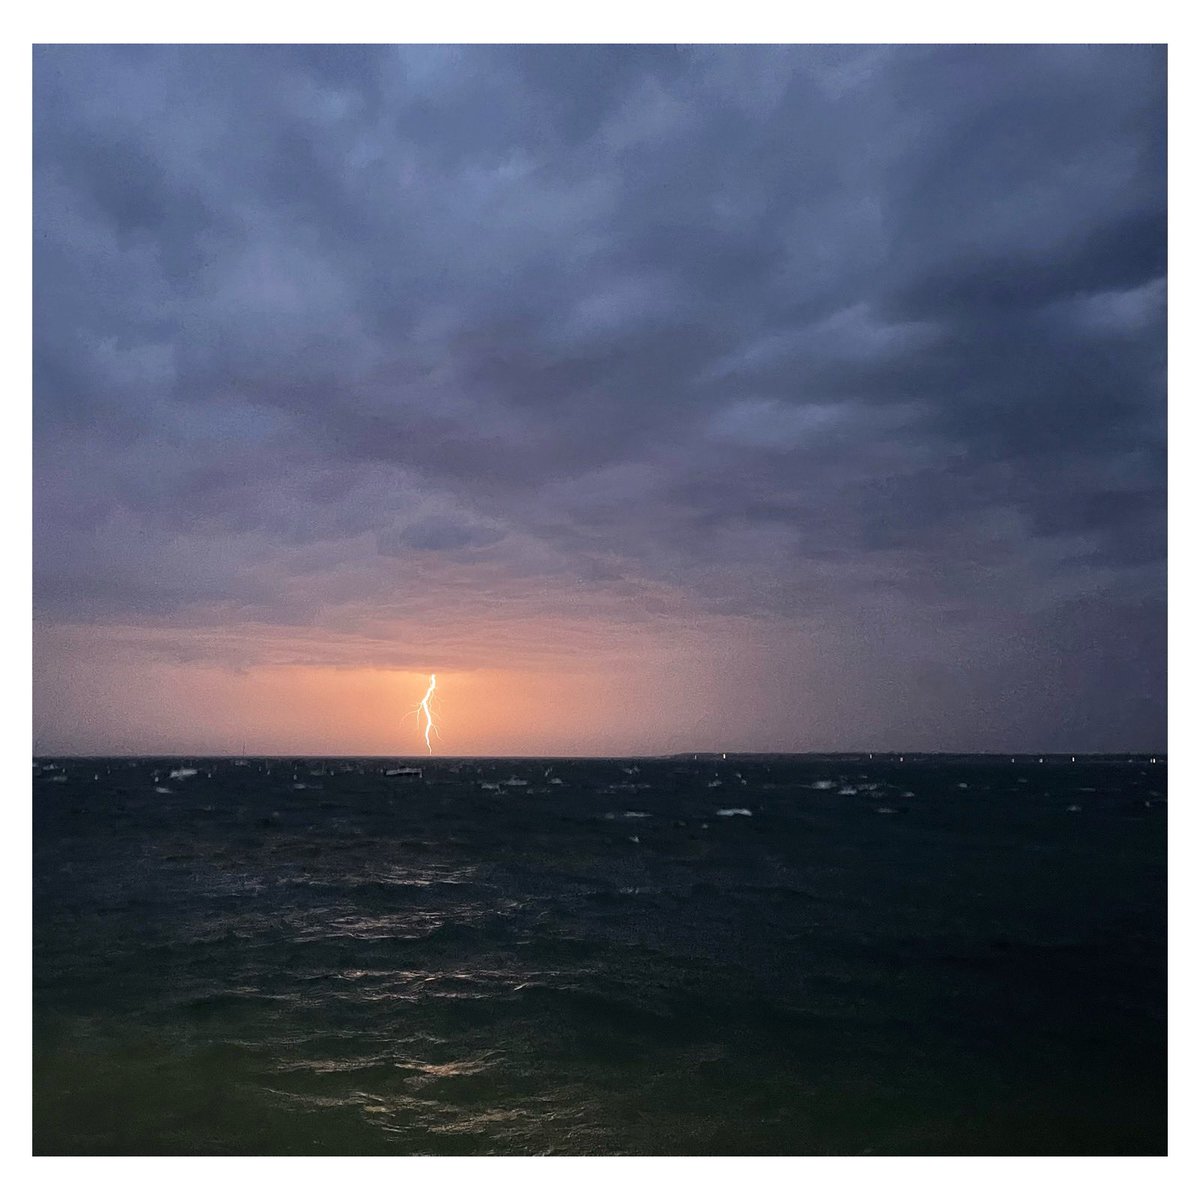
(423, 711)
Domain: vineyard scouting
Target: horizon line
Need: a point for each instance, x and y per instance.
(678, 754)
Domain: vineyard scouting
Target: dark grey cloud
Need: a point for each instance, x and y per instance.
(829, 339)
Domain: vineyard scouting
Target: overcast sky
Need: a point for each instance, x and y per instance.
(657, 398)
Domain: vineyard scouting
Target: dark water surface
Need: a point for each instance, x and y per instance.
(884, 957)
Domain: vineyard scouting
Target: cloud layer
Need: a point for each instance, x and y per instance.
(836, 373)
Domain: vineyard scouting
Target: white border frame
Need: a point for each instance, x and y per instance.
(624, 21)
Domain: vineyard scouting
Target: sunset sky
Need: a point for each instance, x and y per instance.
(656, 398)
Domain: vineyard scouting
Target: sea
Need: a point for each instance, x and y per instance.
(702, 955)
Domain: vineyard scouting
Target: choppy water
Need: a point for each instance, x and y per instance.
(587, 957)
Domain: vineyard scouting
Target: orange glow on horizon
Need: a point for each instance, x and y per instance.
(127, 694)
(190, 708)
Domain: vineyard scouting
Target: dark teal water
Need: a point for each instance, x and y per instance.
(927, 957)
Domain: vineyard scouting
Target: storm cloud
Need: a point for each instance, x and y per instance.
(838, 371)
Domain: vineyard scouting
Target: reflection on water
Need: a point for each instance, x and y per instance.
(840, 956)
